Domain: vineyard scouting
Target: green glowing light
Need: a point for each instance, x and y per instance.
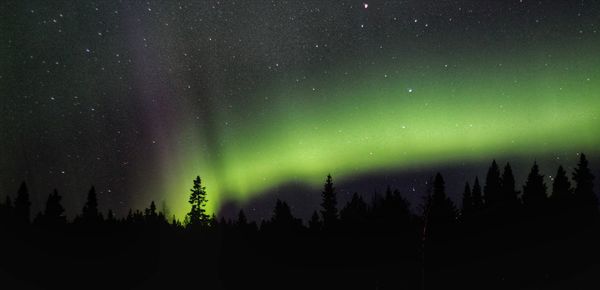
(390, 117)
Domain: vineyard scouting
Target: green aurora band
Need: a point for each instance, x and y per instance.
(422, 114)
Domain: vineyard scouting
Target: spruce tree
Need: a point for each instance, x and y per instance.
(534, 190)
(585, 198)
(54, 212)
(492, 188)
(477, 196)
(314, 224)
(441, 211)
(509, 194)
(467, 201)
(197, 214)
(562, 193)
(22, 208)
(242, 221)
(90, 212)
(329, 204)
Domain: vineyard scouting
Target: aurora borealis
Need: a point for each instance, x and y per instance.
(140, 98)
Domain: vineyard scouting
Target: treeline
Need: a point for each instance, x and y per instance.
(500, 236)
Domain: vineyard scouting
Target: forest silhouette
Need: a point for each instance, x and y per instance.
(499, 236)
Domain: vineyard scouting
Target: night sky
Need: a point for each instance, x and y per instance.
(264, 98)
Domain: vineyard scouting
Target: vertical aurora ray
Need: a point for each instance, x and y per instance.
(421, 115)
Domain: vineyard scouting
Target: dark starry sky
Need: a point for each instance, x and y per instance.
(264, 98)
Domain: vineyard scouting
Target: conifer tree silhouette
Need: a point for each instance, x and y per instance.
(6, 211)
(329, 204)
(562, 193)
(509, 194)
(467, 201)
(283, 220)
(314, 224)
(441, 211)
(90, 213)
(534, 191)
(242, 221)
(151, 214)
(477, 196)
(197, 215)
(110, 216)
(585, 198)
(355, 211)
(492, 188)
(22, 207)
(54, 212)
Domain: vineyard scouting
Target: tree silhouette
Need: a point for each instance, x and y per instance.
(492, 188)
(440, 211)
(90, 213)
(509, 194)
(151, 215)
(197, 214)
(110, 216)
(22, 205)
(314, 224)
(355, 212)
(467, 201)
(6, 211)
(283, 221)
(54, 212)
(242, 221)
(477, 196)
(562, 193)
(329, 204)
(585, 198)
(534, 190)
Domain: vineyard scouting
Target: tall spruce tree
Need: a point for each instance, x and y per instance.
(22, 210)
(585, 198)
(441, 211)
(314, 224)
(477, 196)
(562, 193)
(534, 190)
(329, 205)
(54, 212)
(90, 211)
(509, 194)
(467, 201)
(197, 214)
(492, 188)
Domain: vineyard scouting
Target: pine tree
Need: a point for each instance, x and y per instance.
(150, 214)
(283, 220)
(90, 212)
(22, 213)
(562, 193)
(110, 216)
(441, 211)
(492, 188)
(314, 224)
(329, 204)
(477, 196)
(242, 221)
(467, 201)
(54, 212)
(509, 195)
(7, 211)
(585, 198)
(534, 190)
(197, 214)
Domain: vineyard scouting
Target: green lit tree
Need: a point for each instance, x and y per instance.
(197, 214)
